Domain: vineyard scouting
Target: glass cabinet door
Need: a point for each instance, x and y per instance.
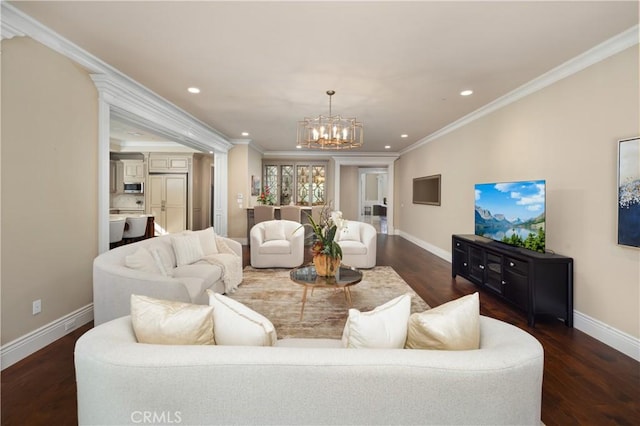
(302, 184)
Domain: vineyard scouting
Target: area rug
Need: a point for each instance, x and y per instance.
(272, 293)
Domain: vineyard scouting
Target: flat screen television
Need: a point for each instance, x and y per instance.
(512, 213)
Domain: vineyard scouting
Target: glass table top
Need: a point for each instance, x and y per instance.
(307, 275)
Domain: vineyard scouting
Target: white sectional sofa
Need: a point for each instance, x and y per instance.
(114, 281)
(307, 381)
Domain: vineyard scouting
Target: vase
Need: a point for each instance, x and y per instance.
(326, 266)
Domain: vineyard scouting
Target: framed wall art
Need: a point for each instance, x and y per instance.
(255, 185)
(629, 192)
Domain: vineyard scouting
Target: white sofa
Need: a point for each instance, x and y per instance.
(114, 282)
(358, 242)
(307, 381)
(277, 244)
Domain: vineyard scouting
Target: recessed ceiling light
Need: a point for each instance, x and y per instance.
(245, 133)
(134, 133)
(387, 147)
(299, 146)
(466, 92)
(193, 90)
(210, 152)
(404, 135)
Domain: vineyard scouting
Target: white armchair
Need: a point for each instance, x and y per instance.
(277, 244)
(358, 243)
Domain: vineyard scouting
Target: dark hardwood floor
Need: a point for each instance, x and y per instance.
(585, 381)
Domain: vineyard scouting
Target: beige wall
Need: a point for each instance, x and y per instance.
(567, 134)
(238, 182)
(49, 186)
(349, 182)
(254, 169)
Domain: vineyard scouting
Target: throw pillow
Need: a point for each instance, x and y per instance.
(208, 241)
(187, 249)
(162, 260)
(351, 232)
(237, 325)
(383, 328)
(142, 260)
(167, 322)
(453, 325)
(274, 230)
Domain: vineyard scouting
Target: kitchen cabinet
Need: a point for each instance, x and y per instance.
(169, 163)
(133, 171)
(537, 283)
(168, 202)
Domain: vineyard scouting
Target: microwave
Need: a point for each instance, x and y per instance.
(134, 188)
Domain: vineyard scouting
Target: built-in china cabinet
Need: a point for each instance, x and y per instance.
(301, 183)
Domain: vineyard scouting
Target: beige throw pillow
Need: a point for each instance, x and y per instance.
(187, 249)
(142, 260)
(207, 241)
(236, 325)
(383, 328)
(166, 322)
(453, 325)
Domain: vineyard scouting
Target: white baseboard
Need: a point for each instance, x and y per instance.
(608, 335)
(24, 346)
(443, 254)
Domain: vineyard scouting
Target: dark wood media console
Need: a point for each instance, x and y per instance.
(538, 283)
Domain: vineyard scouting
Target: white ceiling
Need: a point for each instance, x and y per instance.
(396, 66)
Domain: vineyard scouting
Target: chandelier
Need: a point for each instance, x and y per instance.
(330, 132)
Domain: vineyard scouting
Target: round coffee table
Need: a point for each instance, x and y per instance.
(307, 276)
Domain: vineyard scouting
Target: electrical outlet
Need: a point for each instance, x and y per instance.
(37, 307)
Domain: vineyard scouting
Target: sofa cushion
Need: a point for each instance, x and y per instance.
(351, 232)
(385, 327)
(275, 247)
(187, 249)
(274, 230)
(206, 273)
(142, 260)
(352, 247)
(168, 322)
(453, 325)
(237, 325)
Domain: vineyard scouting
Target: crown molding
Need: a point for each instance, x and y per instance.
(600, 52)
(119, 90)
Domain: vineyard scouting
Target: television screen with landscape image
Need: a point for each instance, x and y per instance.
(512, 212)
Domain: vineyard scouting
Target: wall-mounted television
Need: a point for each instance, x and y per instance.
(426, 190)
(512, 213)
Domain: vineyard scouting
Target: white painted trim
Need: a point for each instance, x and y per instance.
(443, 254)
(608, 335)
(387, 161)
(306, 153)
(22, 347)
(594, 55)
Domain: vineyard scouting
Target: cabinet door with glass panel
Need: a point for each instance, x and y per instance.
(298, 183)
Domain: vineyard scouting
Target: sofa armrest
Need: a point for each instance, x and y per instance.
(113, 286)
(233, 245)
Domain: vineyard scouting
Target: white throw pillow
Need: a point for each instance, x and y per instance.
(453, 325)
(162, 260)
(142, 260)
(236, 325)
(351, 232)
(274, 230)
(383, 328)
(187, 249)
(208, 241)
(167, 322)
